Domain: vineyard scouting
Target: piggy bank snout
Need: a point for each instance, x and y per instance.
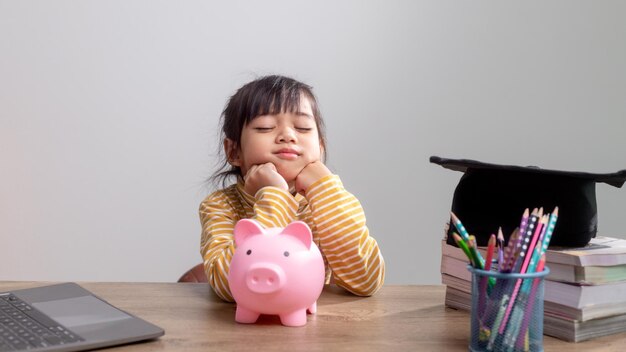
(265, 278)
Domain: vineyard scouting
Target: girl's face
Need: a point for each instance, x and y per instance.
(288, 140)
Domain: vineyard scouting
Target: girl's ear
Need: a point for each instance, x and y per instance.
(231, 150)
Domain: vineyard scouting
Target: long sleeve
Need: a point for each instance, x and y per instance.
(274, 207)
(217, 245)
(353, 255)
(271, 207)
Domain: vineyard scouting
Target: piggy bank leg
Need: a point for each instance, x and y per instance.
(297, 318)
(313, 308)
(245, 316)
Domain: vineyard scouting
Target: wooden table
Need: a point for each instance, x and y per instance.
(397, 318)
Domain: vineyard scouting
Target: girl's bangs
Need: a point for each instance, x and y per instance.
(274, 102)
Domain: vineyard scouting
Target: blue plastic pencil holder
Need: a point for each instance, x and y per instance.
(507, 311)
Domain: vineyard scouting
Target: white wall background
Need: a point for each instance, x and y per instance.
(109, 112)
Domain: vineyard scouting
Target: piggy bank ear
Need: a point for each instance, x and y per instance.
(301, 231)
(244, 229)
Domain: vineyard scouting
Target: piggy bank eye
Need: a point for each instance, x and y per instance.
(249, 251)
(286, 254)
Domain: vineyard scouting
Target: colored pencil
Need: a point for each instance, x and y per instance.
(500, 246)
(522, 270)
(514, 305)
(537, 250)
(459, 226)
(551, 225)
(459, 241)
(530, 250)
(524, 221)
(533, 228)
(529, 223)
(464, 234)
(485, 279)
(508, 252)
(479, 262)
(490, 250)
(521, 337)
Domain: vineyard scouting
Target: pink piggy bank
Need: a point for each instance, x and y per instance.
(275, 271)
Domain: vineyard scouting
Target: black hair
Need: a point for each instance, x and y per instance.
(267, 95)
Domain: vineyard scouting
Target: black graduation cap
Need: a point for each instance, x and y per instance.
(489, 196)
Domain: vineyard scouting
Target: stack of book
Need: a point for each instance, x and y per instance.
(584, 295)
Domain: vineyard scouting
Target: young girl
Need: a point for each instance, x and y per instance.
(274, 144)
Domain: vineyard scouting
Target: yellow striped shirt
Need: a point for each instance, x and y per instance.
(334, 215)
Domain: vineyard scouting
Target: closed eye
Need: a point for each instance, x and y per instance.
(264, 129)
(304, 129)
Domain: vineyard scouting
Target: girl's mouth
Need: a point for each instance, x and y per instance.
(287, 154)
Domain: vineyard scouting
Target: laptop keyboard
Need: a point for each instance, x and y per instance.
(23, 327)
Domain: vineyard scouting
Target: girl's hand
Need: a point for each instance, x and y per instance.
(263, 175)
(309, 175)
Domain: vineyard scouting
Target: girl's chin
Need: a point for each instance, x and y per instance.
(289, 175)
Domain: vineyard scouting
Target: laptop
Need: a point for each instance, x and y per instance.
(66, 317)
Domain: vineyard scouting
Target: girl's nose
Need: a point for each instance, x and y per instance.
(286, 135)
